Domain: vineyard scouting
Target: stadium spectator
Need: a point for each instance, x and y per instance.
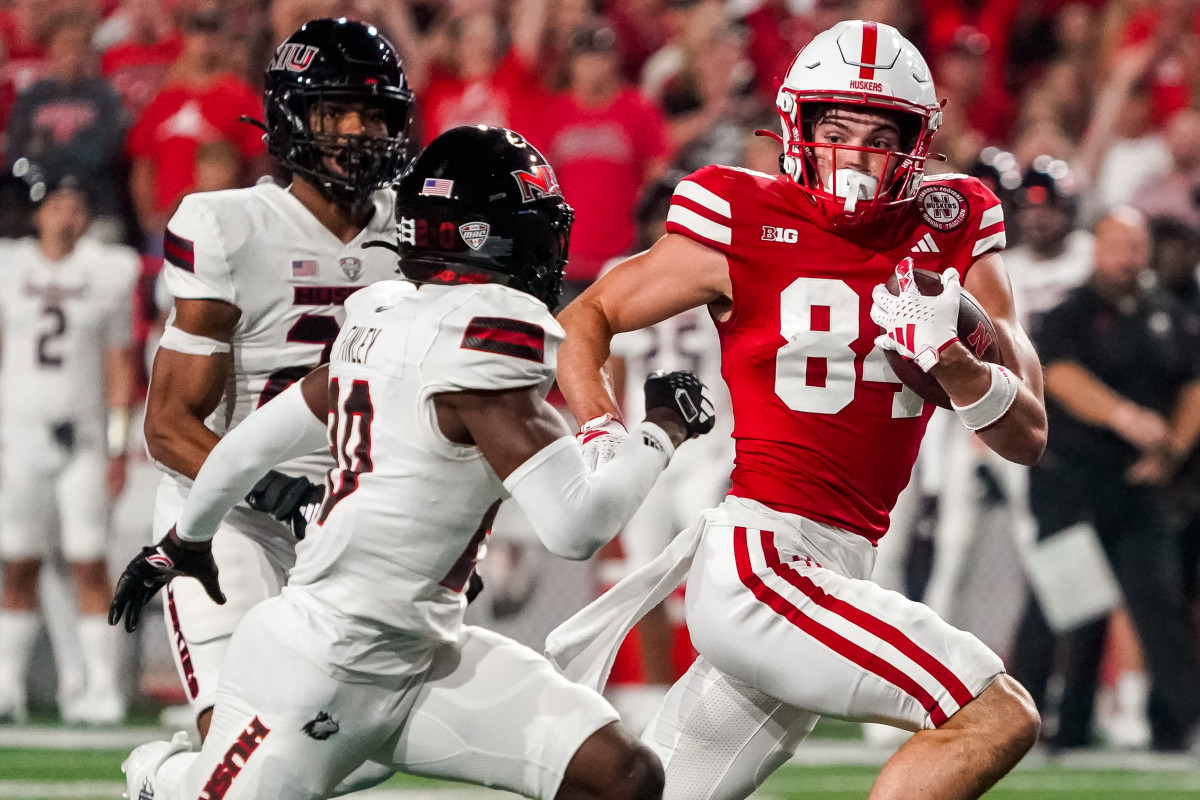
(1123, 398)
(22, 33)
(1121, 149)
(608, 142)
(71, 122)
(690, 25)
(137, 65)
(1169, 31)
(472, 78)
(978, 111)
(1176, 261)
(640, 31)
(710, 100)
(1174, 194)
(201, 102)
(1053, 257)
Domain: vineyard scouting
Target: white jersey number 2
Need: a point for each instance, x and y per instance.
(814, 371)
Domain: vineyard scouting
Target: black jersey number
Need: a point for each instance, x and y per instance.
(350, 430)
(309, 329)
(48, 341)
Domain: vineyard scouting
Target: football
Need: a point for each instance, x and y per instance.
(975, 331)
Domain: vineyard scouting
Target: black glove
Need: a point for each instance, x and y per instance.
(292, 501)
(474, 586)
(684, 393)
(153, 568)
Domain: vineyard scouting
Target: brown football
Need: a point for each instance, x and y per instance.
(975, 331)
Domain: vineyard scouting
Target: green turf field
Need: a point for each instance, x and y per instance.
(94, 774)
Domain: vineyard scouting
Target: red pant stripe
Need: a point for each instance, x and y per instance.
(831, 639)
(872, 625)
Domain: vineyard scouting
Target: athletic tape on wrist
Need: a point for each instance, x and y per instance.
(994, 404)
(190, 344)
(118, 431)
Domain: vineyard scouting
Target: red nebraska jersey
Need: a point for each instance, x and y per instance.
(822, 426)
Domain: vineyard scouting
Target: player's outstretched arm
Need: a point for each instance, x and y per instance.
(672, 276)
(573, 510)
(292, 424)
(1020, 434)
(187, 381)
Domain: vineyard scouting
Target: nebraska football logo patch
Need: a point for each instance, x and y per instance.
(942, 208)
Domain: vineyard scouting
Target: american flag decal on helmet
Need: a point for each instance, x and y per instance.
(506, 337)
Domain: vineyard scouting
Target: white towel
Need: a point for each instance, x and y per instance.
(584, 647)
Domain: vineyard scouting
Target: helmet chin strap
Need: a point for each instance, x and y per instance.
(852, 185)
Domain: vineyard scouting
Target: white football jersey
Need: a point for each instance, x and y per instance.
(406, 510)
(59, 321)
(261, 250)
(1039, 285)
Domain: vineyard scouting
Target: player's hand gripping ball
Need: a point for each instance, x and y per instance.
(917, 323)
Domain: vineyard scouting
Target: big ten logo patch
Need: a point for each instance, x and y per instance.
(942, 208)
(234, 761)
(785, 235)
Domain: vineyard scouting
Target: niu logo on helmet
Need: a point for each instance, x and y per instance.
(293, 57)
(542, 182)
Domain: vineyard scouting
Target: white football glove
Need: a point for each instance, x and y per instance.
(917, 326)
(599, 438)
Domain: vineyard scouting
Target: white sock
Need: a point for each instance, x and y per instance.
(18, 629)
(1133, 693)
(99, 641)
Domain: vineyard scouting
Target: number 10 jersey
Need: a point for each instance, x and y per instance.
(823, 428)
(261, 250)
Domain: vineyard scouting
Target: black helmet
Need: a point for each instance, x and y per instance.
(1048, 181)
(337, 61)
(481, 205)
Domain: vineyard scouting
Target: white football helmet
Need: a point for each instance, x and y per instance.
(861, 64)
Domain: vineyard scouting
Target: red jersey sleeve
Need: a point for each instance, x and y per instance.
(700, 208)
(968, 214)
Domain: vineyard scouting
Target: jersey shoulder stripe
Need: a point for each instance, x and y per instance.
(179, 251)
(506, 337)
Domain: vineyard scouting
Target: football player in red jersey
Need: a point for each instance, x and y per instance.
(779, 603)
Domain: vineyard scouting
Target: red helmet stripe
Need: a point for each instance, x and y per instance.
(869, 42)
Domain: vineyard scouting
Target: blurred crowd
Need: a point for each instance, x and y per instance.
(1076, 113)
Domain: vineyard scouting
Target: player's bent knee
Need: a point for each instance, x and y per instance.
(1005, 713)
(612, 764)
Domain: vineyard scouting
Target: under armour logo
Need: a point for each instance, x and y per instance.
(147, 791)
(160, 560)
